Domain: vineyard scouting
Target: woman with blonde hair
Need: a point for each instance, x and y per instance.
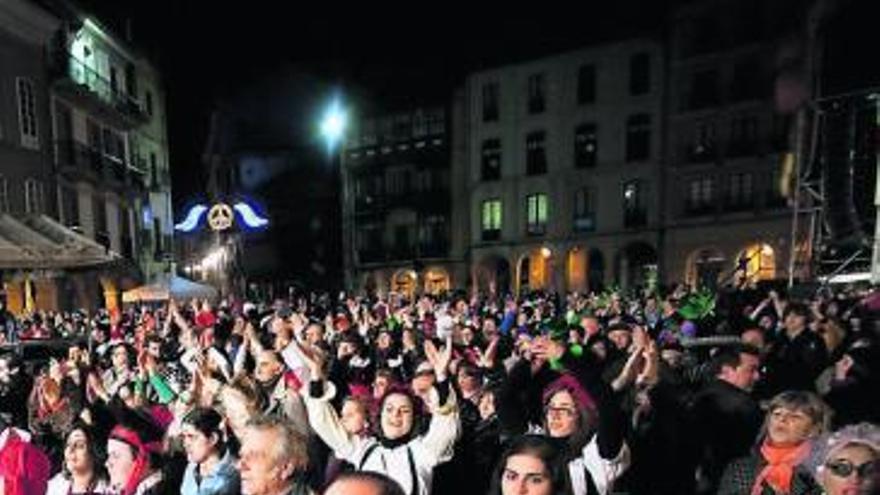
(779, 464)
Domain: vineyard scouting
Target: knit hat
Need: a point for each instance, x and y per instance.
(568, 383)
(828, 445)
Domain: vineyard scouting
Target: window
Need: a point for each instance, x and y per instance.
(743, 136)
(537, 103)
(433, 236)
(4, 195)
(125, 231)
(402, 240)
(33, 196)
(747, 82)
(114, 80)
(703, 147)
(113, 145)
(70, 206)
(699, 198)
(586, 146)
(154, 169)
(639, 74)
(774, 195)
(633, 204)
(148, 100)
(157, 240)
(536, 156)
(99, 217)
(638, 137)
(491, 220)
(585, 209)
(490, 102)
(398, 182)
(586, 84)
(27, 113)
(781, 128)
(536, 214)
(739, 194)
(704, 89)
(491, 160)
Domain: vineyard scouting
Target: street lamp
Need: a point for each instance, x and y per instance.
(333, 124)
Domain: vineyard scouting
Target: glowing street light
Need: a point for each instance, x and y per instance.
(333, 124)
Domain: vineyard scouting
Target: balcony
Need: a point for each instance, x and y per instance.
(698, 209)
(536, 229)
(371, 255)
(85, 86)
(160, 180)
(741, 148)
(585, 223)
(78, 160)
(435, 249)
(402, 252)
(491, 235)
(700, 153)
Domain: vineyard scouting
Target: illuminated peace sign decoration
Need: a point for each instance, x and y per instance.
(222, 217)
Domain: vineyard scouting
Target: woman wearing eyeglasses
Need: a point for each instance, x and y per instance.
(580, 415)
(847, 461)
(780, 463)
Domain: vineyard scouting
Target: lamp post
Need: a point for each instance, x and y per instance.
(333, 124)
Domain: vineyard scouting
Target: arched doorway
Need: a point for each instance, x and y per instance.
(704, 268)
(371, 287)
(633, 264)
(755, 263)
(404, 282)
(595, 271)
(535, 270)
(493, 274)
(576, 268)
(436, 281)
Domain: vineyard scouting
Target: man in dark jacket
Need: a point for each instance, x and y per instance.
(725, 418)
(797, 355)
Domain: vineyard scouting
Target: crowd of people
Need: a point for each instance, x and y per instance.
(661, 391)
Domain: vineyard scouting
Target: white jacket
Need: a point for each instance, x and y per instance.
(418, 456)
(603, 471)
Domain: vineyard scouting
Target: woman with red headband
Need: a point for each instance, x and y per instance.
(132, 453)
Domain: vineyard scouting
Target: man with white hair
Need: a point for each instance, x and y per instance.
(273, 459)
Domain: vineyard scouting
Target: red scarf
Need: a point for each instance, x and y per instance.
(141, 468)
(781, 461)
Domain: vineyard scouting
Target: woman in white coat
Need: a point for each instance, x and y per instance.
(397, 448)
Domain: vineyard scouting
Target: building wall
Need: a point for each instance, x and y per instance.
(381, 152)
(610, 109)
(24, 33)
(726, 129)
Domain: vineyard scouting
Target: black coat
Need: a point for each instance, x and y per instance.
(740, 476)
(724, 424)
(794, 364)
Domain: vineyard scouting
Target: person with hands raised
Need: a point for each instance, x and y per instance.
(579, 412)
(396, 447)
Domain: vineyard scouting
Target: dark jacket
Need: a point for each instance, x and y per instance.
(794, 364)
(740, 475)
(725, 422)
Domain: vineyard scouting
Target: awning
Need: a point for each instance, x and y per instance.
(39, 242)
(170, 287)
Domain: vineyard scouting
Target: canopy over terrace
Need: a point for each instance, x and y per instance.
(169, 287)
(37, 242)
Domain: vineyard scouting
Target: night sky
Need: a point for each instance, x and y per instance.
(391, 57)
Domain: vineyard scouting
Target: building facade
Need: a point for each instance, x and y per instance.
(403, 234)
(86, 150)
(562, 160)
(730, 139)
